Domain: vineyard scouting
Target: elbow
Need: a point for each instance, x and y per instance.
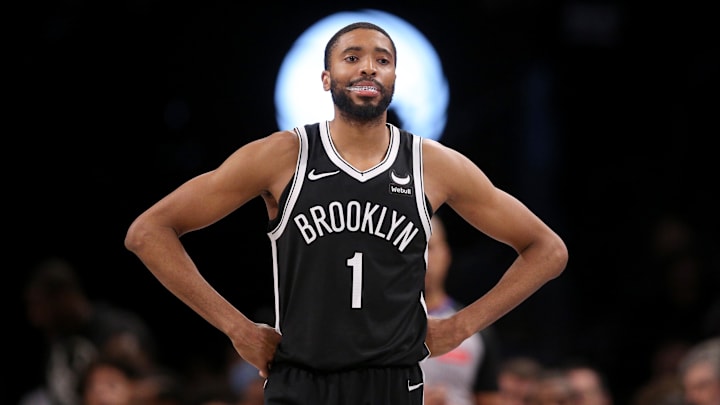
(136, 236)
(558, 257)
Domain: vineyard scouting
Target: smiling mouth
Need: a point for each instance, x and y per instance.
(362, 88)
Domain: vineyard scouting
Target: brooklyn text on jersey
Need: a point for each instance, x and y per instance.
(373, 219)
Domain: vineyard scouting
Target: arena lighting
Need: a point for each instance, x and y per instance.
(421, 91)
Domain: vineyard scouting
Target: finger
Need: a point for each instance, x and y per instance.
(264, 371)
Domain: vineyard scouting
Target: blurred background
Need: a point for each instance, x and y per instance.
(600, 115)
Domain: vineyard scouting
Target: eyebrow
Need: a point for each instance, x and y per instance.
(359, 48)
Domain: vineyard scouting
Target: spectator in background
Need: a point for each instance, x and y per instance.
(253, 393)
(245, 381)
(76, 331)
(589, 384)
(552, 387)
(516, 379)
(699, 373)
(659, 391)
(468, 374)
(109, 381)
(663, 386)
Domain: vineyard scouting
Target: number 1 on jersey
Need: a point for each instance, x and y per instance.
(355, 263)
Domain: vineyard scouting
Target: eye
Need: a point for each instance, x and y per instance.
(383, 61)
(351, 58)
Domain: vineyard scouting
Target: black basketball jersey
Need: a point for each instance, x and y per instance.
(349, 256)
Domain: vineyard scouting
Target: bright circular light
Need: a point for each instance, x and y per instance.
(421, 90)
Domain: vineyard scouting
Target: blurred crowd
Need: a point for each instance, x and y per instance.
(100, 354)
(95, 353)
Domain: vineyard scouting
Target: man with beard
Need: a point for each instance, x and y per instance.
(349, 203)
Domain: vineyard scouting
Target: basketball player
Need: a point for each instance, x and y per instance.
(349, 203)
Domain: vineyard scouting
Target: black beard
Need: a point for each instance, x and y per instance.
(365, 112)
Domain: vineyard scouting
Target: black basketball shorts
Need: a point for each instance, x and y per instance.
(290, 385)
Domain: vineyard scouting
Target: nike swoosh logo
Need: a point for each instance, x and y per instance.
(414, 386)
(399, 180)
(316, 176)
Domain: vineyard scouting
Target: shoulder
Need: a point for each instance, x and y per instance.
(437, 154)
(448, 174)
(260, 165)
(279, 142)
(268, 151)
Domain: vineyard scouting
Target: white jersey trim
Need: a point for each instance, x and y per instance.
(420, 187)
(422, 208)
(361, 176)
(297, 182)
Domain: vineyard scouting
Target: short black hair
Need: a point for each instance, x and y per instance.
(352, 27)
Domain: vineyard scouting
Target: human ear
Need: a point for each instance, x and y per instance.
(325, 76)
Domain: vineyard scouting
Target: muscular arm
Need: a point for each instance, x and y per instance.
(453, 179)
(261, 167)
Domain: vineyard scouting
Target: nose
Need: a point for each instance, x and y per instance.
(368, 67)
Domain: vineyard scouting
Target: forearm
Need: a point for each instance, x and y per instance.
(532, 269)
(162, 252)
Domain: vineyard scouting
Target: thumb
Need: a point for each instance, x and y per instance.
(264, 371)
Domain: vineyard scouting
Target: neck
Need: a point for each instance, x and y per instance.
(363, 145)
(344, 125)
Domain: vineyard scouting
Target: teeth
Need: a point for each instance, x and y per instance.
(362, 88)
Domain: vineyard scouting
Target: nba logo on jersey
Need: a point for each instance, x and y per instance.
(399, 184)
